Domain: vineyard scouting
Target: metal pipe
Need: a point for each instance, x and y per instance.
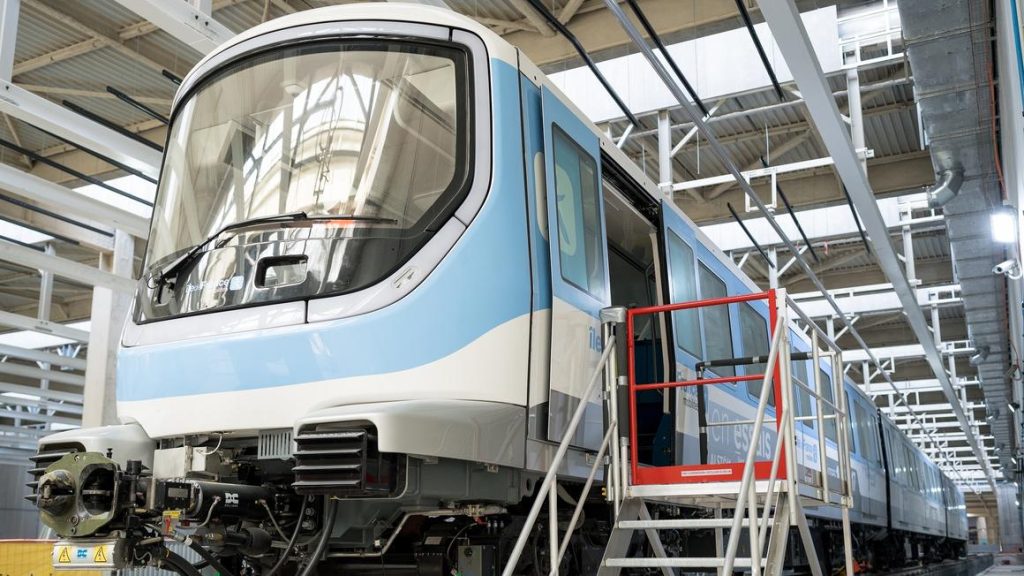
(171, 76)
(38, 229)
(792, 214)
(96, 154)
(68, 170)
(54, 215)
(108, 124)
(760, 49)
(653, 34)
(557, 25)
(946, 189)
(138, 105)
(749, 235)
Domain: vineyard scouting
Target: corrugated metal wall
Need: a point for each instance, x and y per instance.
(20, 518)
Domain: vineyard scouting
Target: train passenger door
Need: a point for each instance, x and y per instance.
(579, 267)
(680, 266)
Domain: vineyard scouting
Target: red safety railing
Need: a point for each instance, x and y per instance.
(694, 473)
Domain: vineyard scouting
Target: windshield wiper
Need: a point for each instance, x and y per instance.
(180, 262)
(188, 257)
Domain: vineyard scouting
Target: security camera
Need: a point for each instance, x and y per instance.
(1008, 267)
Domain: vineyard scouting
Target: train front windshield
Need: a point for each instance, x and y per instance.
(364, 144)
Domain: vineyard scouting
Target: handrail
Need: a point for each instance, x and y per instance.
(748, 471)
(547, 493)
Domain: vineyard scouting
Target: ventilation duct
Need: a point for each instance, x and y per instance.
(946, 189)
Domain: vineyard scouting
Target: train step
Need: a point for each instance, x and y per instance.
(694, 562)
(680, 524)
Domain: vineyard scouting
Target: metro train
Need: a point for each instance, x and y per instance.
(369, 306)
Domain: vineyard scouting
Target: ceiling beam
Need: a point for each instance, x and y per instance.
(11, 252)
(36, 373)
(41, 392)
(183, 21)
(42, 326)
(41, 356)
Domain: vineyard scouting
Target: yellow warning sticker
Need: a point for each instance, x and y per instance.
(65, 555)
(101, 555)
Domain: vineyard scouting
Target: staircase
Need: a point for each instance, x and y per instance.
(765, 497)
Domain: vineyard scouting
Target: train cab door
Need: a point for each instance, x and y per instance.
(579, 268)
(679, 268)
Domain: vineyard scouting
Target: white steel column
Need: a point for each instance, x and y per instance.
(109, 308)
(856, 113)
(665, 153)
(9, 11)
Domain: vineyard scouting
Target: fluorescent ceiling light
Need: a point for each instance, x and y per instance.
(1004, 225)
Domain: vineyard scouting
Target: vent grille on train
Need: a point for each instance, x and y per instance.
(343, 462)
(274, 444)
(44, 457)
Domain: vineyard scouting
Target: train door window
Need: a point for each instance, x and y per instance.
(870, 430)
(805, 402)
(826, 393)
(908, 459)
(754, 329)
(578, 194)
(862, 425)
(683, 287)
(715, 321)
(853, 412)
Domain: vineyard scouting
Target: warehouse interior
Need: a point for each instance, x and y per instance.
(928, 129)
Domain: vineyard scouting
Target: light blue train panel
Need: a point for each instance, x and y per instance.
(579, 266)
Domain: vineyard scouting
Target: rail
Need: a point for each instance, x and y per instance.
(547, 492)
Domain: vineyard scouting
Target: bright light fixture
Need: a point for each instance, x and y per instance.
(1004, 225)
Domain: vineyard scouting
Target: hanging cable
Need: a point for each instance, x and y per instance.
(760, 49)
(557, 25)
(291, 541)
(749, 235)
(668, 57)
(792, 214)
(325, 535)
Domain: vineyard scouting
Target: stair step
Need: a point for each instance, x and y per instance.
(680, 523)
(695, 562)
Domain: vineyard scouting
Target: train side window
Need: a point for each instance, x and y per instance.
(854, 419)
(683, 285)
(754, 330)
(862, 424)
(715, 321)
(578, 198)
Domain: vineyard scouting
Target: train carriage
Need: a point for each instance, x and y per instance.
(371, 297)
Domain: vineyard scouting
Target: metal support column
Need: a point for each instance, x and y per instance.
(856, 113)
(908, 255)
(773, 270)
(109, 308)
(665, 153)
(44, 310)
(9, 11)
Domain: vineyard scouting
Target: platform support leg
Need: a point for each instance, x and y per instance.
(805, 537)
(847, 541)
(719, 538)
(618, 541)
(655, 539)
